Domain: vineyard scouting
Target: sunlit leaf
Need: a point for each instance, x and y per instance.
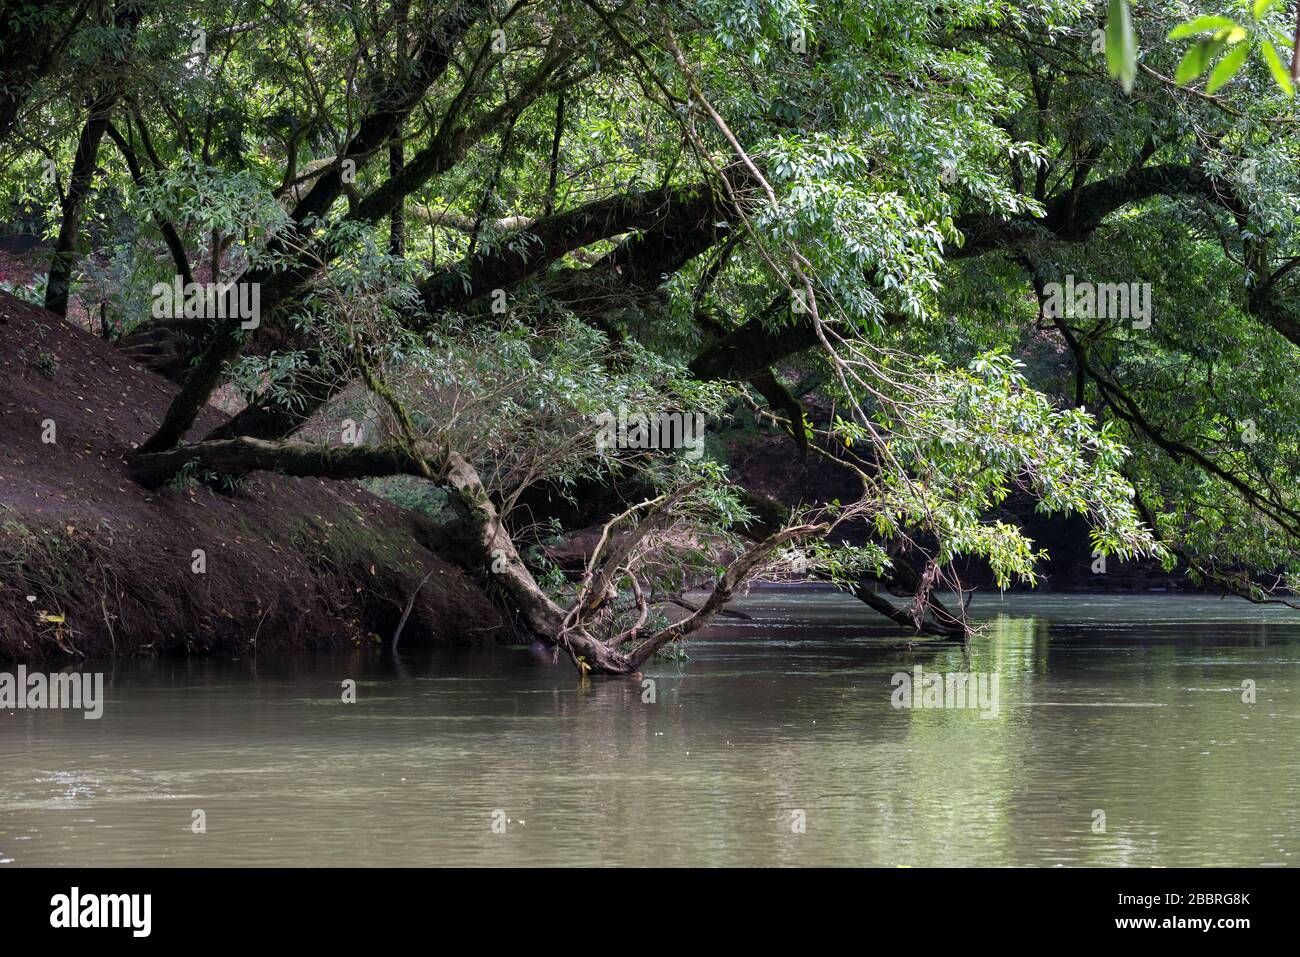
(1196, 61)
(1200, 25)
(1278, 70)
(1262, 7)
(1121, 45)
(1227, 67)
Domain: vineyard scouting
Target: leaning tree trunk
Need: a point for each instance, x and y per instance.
(74, 202)
(493, 550)
(497, 552)
(127, 16)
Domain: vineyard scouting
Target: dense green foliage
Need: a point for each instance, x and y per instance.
(566, 208)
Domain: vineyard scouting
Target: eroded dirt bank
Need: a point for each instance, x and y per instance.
(91, 564)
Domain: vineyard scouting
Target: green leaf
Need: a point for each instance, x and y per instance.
(1196, 60)
(1279, 71)
(1227, 67)
(1262, 7)
(1200, 25)
(1121, 46)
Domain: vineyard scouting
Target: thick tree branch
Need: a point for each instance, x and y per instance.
(679, 212)
(169, 233)
(735, 575)
(374, 132)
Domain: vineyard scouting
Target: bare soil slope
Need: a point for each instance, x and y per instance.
(290, 563)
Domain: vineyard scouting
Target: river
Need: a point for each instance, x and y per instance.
(1120, 737)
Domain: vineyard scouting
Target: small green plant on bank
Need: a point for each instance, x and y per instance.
(47, 364)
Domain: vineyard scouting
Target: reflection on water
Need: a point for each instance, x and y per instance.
(1128, 705)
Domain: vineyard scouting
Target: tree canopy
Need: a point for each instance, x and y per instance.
(961, 249)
